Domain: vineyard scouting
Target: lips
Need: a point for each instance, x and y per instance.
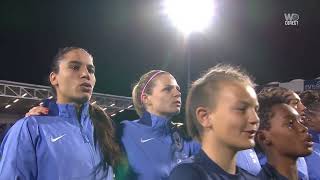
(251, 133)
(308, 140)
(303, 117)
(178, 102)
(86, 86)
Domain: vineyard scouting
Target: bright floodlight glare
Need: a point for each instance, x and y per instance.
(189, 15)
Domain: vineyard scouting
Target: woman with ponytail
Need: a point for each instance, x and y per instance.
(77, 142)
(153, 143)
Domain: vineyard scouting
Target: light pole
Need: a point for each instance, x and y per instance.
(189, 16)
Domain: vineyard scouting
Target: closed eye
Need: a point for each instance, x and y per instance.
(290, 124)
(74, 67)
(91, 69)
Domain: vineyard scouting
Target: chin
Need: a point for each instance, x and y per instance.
(82, 99)
(176, 112)
(307, 152)
(247, 145)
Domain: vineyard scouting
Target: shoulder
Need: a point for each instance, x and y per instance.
(26, 122)
(246, 174)
(29, 125)
(263, 174)
(187, 171)
(126, 123)
(126, 128)
(23, 132)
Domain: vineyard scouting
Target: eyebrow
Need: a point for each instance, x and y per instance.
(172, 86)
(74, 62)
(294, 99)
(248, 103)
(290, 116)
(80, 63)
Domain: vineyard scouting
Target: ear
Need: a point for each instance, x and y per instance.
(264, 137)
(204, 117)
(145, 99)
(53, 79)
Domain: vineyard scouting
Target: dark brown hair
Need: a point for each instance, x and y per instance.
(104, 128)
(310, 98)
(105, 134)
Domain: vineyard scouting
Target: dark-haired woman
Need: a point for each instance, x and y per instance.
(77, 143)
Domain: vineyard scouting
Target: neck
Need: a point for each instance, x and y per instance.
(160, 115)
(77, 105)
(285, 165)
(224, 156)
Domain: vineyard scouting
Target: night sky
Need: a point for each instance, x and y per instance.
(129, 37)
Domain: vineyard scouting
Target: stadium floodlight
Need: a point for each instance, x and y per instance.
(190, 15)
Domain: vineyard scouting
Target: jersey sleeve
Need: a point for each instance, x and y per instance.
(17, 151)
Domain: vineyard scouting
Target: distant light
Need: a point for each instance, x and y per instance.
(112, 105)
(41, 103)
(104, 108)
(50, 97)
(113, 115)
(191, 15)
(24, 94)
(121, 110)
(130, 106)
(7, 106)
(94, 102)
(16, 100)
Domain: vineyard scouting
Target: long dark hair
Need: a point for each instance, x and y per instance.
(105, 134)
(104, 128)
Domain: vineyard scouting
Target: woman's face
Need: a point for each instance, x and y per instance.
(313, 118)
(287, 135)
(295, 102)
(165, 97)
(75, 80)
(234, 118)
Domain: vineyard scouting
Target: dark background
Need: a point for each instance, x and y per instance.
(129, 37)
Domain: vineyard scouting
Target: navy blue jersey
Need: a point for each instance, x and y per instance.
(303, 169)
(268, 172)
(201, 167)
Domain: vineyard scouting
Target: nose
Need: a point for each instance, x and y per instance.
(254, 118)
(302, 128)
(177, 93)
(301, 107)
(85, 73)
